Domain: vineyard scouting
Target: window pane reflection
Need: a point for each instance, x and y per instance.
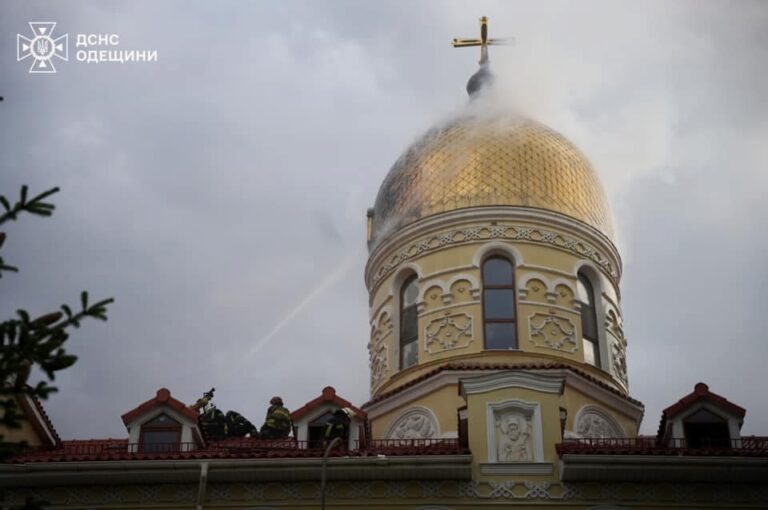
(589, 352)
(410, 354)
(497, 271)
(500, 335)
(499, 304)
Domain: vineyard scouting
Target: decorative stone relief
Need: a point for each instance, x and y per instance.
(582, 494)
(484, 232)
(619, 356)
(514, 441)
(553, 331)
(414, 424)
(379, 365)
(591, 424)
(618, 347)
(377, 350)
(449, 332)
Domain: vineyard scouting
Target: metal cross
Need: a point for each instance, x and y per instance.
(483, 42)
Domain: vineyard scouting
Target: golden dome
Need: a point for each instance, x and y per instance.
(475, 161)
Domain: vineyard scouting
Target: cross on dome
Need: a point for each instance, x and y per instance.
(483, 76)
(483, 42)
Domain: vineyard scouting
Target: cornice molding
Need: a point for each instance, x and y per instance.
(600, 394)
(438, 381)
(517, 379)
(518, 468)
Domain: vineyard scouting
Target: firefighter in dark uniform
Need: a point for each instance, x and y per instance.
(338, 426)
(278, 423)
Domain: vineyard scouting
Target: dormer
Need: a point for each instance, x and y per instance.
(701, 419)
(309, 420)
(162, 424)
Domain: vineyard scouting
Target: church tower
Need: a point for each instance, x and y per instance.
(494, 297)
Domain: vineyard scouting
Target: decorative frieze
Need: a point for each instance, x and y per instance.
(414, 492)
(482, 232)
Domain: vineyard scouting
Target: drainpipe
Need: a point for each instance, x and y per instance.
(201, 487)
(333, 443)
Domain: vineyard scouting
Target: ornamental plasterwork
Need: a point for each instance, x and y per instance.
(619, 360)
(379, 365)
(448, 332)
(514, 436)
(485, 232)
(535, 290)
(593, 425)
(377, 350)
(425, 490)
(553, 331)
(414, 424)
(618, 347)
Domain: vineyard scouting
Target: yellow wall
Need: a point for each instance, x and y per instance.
(450, 309)
(26, 432)
(443, 402)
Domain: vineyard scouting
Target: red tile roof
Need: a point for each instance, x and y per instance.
(749, 446)
(235, 448)
(163, 398)
(500, 366)
(328, 396)
(700, 392)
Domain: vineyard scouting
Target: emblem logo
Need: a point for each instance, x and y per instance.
(42, 47)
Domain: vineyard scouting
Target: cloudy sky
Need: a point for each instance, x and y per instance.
(219, 194)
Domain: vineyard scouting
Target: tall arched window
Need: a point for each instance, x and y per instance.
(589, 336)
(409, 323)
(499, 303)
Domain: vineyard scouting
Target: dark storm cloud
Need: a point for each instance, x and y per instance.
(220, 193)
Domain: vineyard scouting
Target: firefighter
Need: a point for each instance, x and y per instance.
(338, 425)
(278, 423)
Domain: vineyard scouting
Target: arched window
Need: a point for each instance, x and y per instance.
(589, 336)
(499, 317)
(409, 323)
(161, 434)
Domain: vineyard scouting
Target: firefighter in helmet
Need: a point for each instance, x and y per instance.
(338, 425)
(278, 423)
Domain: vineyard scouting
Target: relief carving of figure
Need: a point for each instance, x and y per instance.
(513, 438)
(415, 426)
(593, 426)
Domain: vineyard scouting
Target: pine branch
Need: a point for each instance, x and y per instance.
(34, 206)
(26, 342)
